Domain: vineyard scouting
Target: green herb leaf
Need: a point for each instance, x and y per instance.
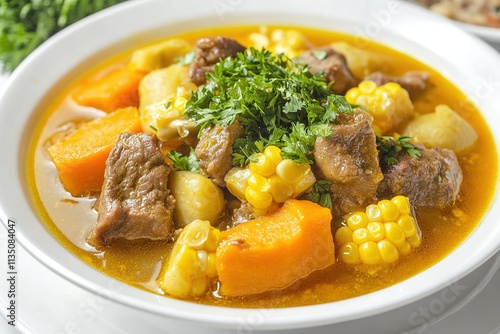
(185, 163)
(188, 58)
(25, 24)
(275, 100)
(320, 193)
(390, 148)
(320, 55)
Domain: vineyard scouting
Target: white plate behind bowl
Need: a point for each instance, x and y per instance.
(471, 64)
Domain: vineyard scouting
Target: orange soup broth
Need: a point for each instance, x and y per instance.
(70, 219)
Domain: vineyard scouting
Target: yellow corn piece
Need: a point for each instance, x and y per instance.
(389, 104)
(287, 41)
(166, 116)
(380, 234)
(269, 180)
(191, 264)
(158, 55)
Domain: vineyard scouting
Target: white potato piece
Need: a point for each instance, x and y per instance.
(158, 55)
(443, 128)
(360, 61)
(196, 197)
(161, 88)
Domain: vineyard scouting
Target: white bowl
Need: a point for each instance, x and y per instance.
(472, 65)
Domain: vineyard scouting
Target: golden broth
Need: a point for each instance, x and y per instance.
(70, 219)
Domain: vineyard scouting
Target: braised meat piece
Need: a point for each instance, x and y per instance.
(135, 202)
(349, 158)
(332, 64)
(431, 180)
(209, 51)
(215, 150)
(414, 81)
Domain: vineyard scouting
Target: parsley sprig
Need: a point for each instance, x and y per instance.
(25, 24)
(275, 100)
(389, 148)
(185, 162)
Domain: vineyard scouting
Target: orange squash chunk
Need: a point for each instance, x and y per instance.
(118, 89)
(81, 158)
(274, 251)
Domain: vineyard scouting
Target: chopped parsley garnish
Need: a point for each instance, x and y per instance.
(185, 163)
(275, 100)
(390, 148)
(320, 193)
(187, 59)
(319, 54)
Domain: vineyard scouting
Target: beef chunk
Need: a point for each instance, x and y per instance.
(135, 202)
(414, 82)
(431, 180)
(215, 150)
(209, 51)
(349, 158)
(333, 66)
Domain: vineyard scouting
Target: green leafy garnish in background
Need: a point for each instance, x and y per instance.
(25, 24)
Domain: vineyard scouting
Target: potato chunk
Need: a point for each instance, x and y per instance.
(443, 128)
(196, 197)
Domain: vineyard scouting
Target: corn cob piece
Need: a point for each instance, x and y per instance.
(191, 265)
(269, 180)
(389, 104)
(380, 234)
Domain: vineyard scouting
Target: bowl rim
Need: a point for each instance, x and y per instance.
(30, 75)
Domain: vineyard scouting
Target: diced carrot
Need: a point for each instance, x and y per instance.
(274, 251)
(118, 89)
(81, 158)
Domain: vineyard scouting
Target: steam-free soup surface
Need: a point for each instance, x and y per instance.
(71, 219)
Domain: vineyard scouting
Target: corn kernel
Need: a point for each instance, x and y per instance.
(262, 165)
(213, 240)
(211, 270)
(357, 220)
(199, 286)
(402, 203)
(376, 231)
(388, 251)
(343, 235)
(394, 233)
(373, 213)
(407, 224)
(415, 241)
(404, 248)
(280, 190)
(257, 199)
(349, 253)
(237, 181)
(367, 86)
(291, 171)
(360, 236)
(196, 236)
(369, 253)
(390, 212)
(274, 153)
(176, 284)
(259, 183)
(305, 183)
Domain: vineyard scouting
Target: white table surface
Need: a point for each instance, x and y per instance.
(47, 303)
